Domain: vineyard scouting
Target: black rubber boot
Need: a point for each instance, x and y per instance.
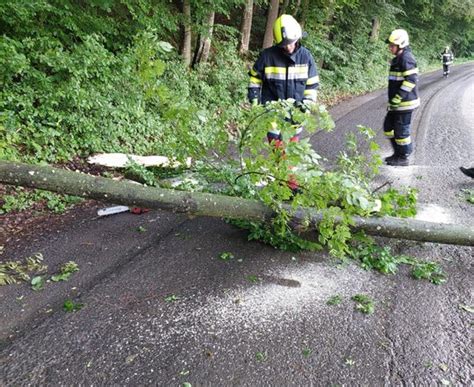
(390, 158)
(398, 161)
(468, 171)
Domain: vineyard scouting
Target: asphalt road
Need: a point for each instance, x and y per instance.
(160, 307)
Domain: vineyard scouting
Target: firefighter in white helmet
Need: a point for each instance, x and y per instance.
(402, 98)
(285, 70)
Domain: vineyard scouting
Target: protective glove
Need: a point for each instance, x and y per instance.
(395, 101)
(309, 105)
(304, 106)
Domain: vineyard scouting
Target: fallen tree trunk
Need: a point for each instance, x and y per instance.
(196, 203)
(130, 193)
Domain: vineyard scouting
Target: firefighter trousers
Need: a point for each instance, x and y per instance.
(397, 128)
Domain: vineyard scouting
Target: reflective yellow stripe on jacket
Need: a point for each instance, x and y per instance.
(407, 86)
(405, 105)
(294, 72)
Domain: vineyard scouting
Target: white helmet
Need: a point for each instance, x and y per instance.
(286, 30)
(399, 37)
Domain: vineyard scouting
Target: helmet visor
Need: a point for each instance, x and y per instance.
(286, 42)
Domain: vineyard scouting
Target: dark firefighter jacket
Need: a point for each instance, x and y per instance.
(277, 75)
(447, 58)
(402, 82)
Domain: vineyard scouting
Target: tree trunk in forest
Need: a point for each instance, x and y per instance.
(204, 42)
(374, 33)
(300, 12)
(197, 203)
(271, 17)
(207, 41)
(284, 7)
(246, 28)
(297, 8)
(186, 48)
(329, 22)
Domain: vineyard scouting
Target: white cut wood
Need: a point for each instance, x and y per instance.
(120, 160)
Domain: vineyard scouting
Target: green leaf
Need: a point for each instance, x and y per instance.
(334, 300)
(349, 362)
(7, 279)
(364, 303)
(307, 352)
(37, 283)
(430, 271)
(468, 195)
(61, 277)
(467, 308)
(364, 203)
(70, 306)
(171, 298)
(66, 271)
(225, 256)
(253, 278)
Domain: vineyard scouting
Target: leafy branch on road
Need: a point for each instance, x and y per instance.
(374, 257)
(13, 272)
(33, 270)
(364, 303)
(430, 271)
(339, 193)
(261, 171)
(334, 300)
(65, 272)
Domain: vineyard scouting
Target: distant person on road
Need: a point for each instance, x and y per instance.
(468, 171)
(285, 71)
(402, 98)
(447, 57)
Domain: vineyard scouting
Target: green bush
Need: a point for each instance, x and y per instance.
(59, 103)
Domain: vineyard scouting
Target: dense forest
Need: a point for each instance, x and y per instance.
(170, 77)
